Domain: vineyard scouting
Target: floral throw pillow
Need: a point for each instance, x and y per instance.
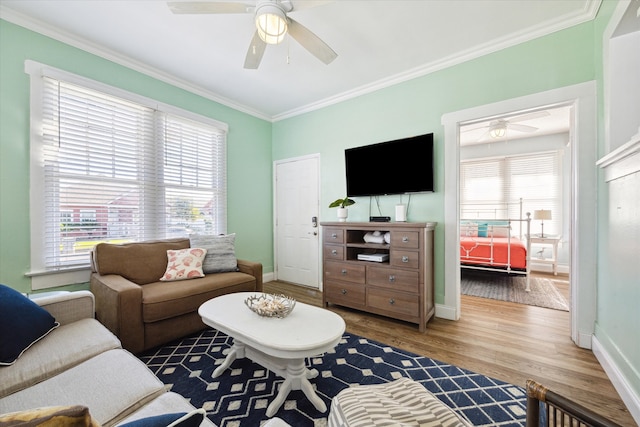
(184, 264)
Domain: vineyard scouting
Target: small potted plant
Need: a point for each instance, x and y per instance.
(342, 204)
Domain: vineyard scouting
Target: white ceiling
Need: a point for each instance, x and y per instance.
(378, 43)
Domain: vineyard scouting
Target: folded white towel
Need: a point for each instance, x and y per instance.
(373, 238)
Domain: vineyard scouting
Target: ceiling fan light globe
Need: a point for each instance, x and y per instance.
(498, 131)
(271, 23)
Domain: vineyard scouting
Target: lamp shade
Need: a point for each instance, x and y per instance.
(542, 214)
(271, 22)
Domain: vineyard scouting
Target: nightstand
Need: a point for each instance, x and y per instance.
(551, 240)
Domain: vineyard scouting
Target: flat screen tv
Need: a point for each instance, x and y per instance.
(394, 167)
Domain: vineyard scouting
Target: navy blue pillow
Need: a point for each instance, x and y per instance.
(180, 419)
(22, 323)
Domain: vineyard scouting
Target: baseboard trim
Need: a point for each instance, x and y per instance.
(446, 312)
(268, 277)
(546, 268)
(630, 399)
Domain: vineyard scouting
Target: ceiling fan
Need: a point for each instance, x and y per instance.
(498, 128)
(272, 24)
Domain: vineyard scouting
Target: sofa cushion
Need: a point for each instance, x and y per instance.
(162, 300)
(184, 264)
(139, 262)
(58, 416)
(221, 252)
(22, 323)
(62, 349)
(112, 385)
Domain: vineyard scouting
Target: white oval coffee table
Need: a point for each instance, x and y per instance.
(279, 345)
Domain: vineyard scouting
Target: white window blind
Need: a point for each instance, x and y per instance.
(116, 170)
(494, 186)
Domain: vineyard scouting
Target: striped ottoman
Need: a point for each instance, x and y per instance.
(401, 402)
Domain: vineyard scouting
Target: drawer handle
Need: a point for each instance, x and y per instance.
(334, 236)
(392, 301)
(343, 291)
(344, 272)
(405, 258)
(405, 239)
(334, 252)
(392, 278)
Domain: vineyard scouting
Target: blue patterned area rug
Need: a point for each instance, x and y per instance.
(241, 395)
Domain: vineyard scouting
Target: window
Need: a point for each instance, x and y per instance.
(114, 167)
(488, 185)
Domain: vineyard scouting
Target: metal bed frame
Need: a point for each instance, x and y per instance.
(477, 212)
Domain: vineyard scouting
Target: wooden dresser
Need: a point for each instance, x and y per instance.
(400, 287)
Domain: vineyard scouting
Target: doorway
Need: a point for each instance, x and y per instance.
(297, 248)
(582, 99)
(511, 166)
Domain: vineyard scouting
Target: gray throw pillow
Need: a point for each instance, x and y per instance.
(221, 252)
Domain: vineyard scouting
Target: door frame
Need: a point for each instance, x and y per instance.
(275, 214)
(583, 237)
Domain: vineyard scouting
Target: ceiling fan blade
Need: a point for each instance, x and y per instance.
(485, 137)
(311, 42)
(196, 7)
(255, 52)
(471, 128)
(529, 116)
(522, 128)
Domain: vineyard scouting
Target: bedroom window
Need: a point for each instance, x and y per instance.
(109, 166)
(491, 184)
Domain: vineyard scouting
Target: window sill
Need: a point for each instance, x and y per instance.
(53, 279)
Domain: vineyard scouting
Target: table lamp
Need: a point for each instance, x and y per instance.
(542, 214)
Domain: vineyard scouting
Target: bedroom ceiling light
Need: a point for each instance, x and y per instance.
(542, 214)
(498, 130)
(271, 22)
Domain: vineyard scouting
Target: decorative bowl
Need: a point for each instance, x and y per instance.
(269, 305)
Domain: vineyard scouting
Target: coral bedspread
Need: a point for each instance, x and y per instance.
(493, 251)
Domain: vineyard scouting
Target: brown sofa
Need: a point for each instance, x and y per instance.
(144, 312)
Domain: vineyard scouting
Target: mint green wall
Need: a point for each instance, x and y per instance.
(249, 147)
(618, 317)
(561, 59)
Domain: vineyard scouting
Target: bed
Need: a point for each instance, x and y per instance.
(493, 238)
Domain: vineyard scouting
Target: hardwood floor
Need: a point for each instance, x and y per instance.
(508, 341)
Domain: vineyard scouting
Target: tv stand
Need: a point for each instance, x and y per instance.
(400, 287)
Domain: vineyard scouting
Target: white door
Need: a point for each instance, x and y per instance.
(296, 221)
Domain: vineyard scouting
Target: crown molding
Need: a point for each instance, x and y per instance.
(56, 33)
(588, 13)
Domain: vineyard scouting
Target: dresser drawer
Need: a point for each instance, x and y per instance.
(344, 293)
(333, 252)
(392, 278)
(344, 272)
(402, 305)
(408, 259)
(405, 239)
(333, 235)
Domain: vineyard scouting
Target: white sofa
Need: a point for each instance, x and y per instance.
(82, 363)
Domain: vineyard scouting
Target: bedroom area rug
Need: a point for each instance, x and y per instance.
(505, 287)
(241, 395)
